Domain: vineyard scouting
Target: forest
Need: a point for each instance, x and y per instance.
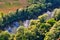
(39, 20)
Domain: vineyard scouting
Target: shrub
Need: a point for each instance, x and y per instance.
(54, 32)
(44, 28)
(43, 18)
(4, 36)
(57, 14)
(51, 21)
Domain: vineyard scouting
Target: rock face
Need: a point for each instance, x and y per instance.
(50, 14)
(26, 23)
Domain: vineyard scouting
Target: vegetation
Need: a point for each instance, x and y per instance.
(54, 32)
(41, 27)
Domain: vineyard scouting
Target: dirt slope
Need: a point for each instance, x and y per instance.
(12, 5)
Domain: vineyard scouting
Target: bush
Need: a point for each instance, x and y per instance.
(4, 36)
(44, 28)
(34, 22)
(57, 14)
(54, 32)
(25, 33)
(43, 18)
(12, 37)
(51, 21)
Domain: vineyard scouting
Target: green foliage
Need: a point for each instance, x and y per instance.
(54, 32)
(44, 28)
(40, 28)
(43, 18)
(20, 29)
(20, 33)
(36, 9)
(50, 4)
(12, 36)
(34, 22)
(25, 34)
(1, 20)
(31, 12)
(36, 31)
(51, 21)
(57, 14)
(36, 1)
(55, 3)
(30, 34)
(4, 36)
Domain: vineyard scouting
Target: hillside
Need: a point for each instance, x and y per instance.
(33, 20)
